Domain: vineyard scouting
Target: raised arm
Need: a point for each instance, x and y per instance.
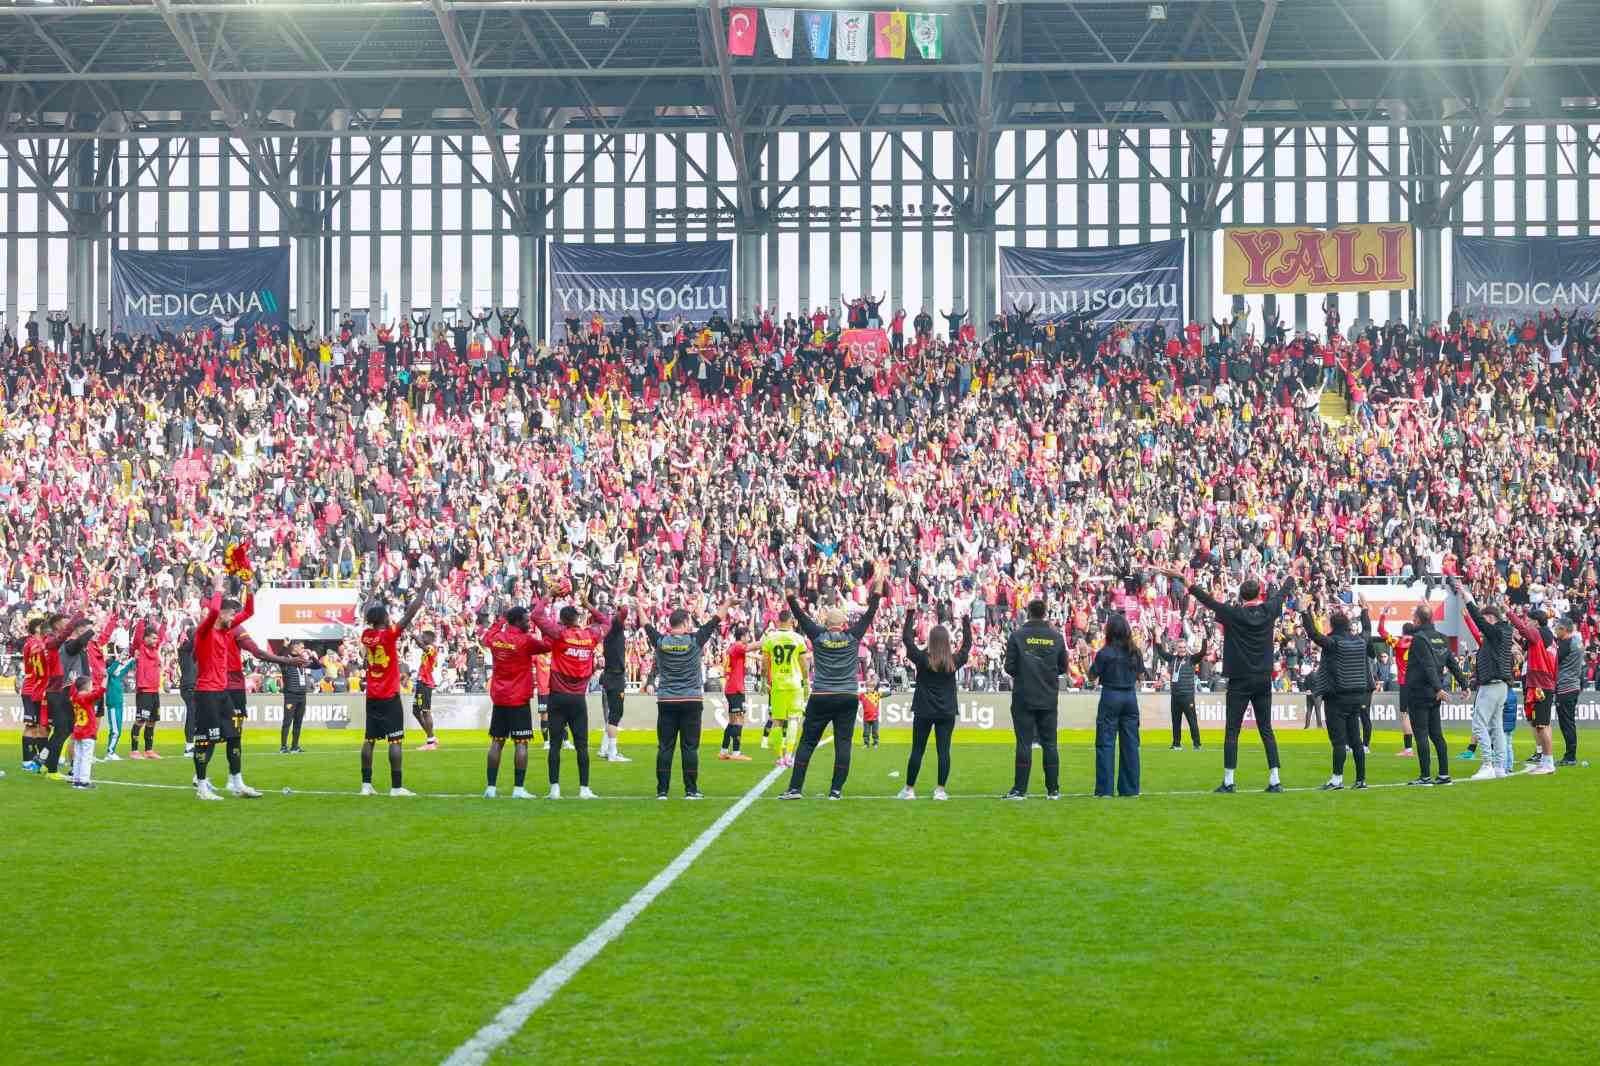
(1311, 630)
(807, 624)
(864, 623)
(247, 643)
(966, 641)
(416, 603)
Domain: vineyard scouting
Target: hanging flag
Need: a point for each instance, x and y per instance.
(928, 32)
(854, 30)
(889, 36)
(741, 31)
(819, 32)
(780, 31)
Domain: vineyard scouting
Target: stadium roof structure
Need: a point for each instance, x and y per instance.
(1449, 70)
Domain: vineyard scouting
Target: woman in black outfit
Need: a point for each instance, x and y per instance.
(933, 707)
(1118, 667)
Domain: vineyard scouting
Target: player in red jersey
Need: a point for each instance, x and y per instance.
(35, 726)
(68, 637)
(147, 642)
(574, 650)
(733, 689)
(511, 651)
(386, 715)
(427, 679)
(213, 714)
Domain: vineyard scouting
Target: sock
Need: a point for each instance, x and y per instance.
(134, 738)
(738, 736)
(199, 763)
(520, 774)
(394, 765)
(494, 774)
(1408, 741)
(149, 738)
(791, 736)
(29, 744)
(544, 730)
(235, 757)
(1272, 777)
(1227, 777)
(766, 730)
(1473, 747)
(366, 767)
(727, 736)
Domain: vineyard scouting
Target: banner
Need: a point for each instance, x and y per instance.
(690, 278)
(867, 347)
(233, 289)
(889, 34)
(1525, 275)
(819, 32)
(742, 31)
(1136, 283)
(780, 31)
(928, 32)
(1364, 257)
(854, 33)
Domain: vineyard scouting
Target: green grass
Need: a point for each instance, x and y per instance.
(1397, 925)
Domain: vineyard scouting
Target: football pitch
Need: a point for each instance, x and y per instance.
(1395, 925)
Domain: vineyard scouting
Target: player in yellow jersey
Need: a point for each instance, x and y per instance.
(785, 656)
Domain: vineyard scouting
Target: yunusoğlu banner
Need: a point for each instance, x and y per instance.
(1137, 283)
(689, 278)
(1525, 275)
(1364, 257)
(235, 288)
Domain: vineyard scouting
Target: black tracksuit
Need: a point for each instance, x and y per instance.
(1036, 657)
(1247, 651)
(1426, 664)
(1349, 692)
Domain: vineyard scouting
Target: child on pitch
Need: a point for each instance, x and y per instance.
(1508, 720)
(85, 726)
(871, 702)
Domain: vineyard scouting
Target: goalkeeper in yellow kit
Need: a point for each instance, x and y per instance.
(784, 653)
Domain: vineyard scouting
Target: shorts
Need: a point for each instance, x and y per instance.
(422, 701)
(30, 711)
(735, 703)
(1402, 702)
(238, 703)
(613, 702)
(514, 722)
(787, 703)
(544, 703)
(213, 717)
(386, 718)
(147, 706)
(1540, 708)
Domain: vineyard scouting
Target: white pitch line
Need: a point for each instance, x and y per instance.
(515, 1015)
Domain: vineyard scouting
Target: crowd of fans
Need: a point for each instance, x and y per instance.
(666, 463)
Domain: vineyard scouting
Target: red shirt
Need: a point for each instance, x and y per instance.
(211, 645)
(85, 723)
(235, 661)
(35, 672)
(147, 671)
(383, 662)
(869, 706)
(430, 658)
(511, 651)
(572, 651)
(735, 680)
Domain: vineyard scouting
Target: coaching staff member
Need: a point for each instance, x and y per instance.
(1427, 662)
(1247, 628)
(1036, 657)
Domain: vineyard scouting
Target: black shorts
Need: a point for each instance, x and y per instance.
(544, 703)
(1541, 710)
(147, 706)
(514, 722)
(238, 704)
(1403, 702)
(386, 718)
(422, 700)
(735, 703)
(613, 701)
(30, 711)
(213, 717)
(58, 711)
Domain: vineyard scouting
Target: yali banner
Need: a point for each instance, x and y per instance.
(227, 290)
(1139, 284)
(693, 279)
(1525, 275)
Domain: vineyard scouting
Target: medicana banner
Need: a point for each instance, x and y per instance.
(689, 278)
(1525, 275)
(236, 288)
(1136, 283)
(1364, 257)
(985, 712)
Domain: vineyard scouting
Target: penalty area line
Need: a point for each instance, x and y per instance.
(515, 1015)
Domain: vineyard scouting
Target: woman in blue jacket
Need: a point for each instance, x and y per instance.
(1117, 668)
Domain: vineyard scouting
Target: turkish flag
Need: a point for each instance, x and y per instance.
(741, 31)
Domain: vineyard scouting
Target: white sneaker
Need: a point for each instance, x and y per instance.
(547, 745)
(1501, 771)
(907, 793)
(203, 790)
(1541, 768)
(112, 757)
(367, 789)
(520, 793)
(244, 791)
(555, 792)
(617, 756)
(940, 794)
(587, 793)
(490, 793)
(566, 745)
(1485, 773)
(401, 792)
(188, 749)
(764, 743)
